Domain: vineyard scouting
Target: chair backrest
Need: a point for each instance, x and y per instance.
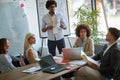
(98, 48)
(26, 61)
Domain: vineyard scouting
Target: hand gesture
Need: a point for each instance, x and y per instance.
(62, 26)
(49, 27)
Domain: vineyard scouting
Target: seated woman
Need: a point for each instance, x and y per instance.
(5, 60)
(83, 32)
(29, 53)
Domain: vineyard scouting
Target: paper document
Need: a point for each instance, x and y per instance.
(78, 62)
(31, 70)
(89, 60)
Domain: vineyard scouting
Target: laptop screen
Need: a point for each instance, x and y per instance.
(46, 61)
(72, 53)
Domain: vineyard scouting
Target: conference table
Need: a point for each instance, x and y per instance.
(17, 74)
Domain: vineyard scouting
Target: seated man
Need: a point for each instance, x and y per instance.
(109, 59)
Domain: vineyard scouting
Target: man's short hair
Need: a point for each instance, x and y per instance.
(115, 32)
(51, 2)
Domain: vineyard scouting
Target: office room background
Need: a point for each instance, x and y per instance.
(18, 17)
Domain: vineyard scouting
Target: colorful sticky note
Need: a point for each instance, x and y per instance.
(24, 15)
(22, 5)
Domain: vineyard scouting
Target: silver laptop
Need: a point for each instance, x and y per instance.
(72, 53)
(48, 65)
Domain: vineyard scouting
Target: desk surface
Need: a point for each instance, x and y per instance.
(17, 74)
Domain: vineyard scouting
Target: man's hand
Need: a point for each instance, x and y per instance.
(62, 26)
(44, 29)
(47, 28)
(93, 66)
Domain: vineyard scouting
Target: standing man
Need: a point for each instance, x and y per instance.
(53, 23)
(109, 59)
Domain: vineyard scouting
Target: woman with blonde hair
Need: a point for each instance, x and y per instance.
(29, 53)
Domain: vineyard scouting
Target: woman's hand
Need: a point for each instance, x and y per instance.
(77, 42)
(21, 61)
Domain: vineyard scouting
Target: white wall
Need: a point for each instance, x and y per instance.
(16, 26)
(2, 1)
(31, 12)
(31, 15)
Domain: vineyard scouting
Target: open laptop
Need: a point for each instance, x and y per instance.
(72, 53)
(48, 65)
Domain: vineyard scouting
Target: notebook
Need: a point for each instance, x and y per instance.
(32, 70)
(48, 65)
(72, 53)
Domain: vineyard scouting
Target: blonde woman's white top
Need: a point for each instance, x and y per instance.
(28, 57)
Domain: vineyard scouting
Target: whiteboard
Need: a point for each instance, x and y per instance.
(13, 26)
(61, 8)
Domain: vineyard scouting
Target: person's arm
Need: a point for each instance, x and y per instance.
(99, 54)
(77, 42)
(62, 23)
(93, 66)
(45, 27)
(8, 62)
(90, 48)
(113, 63)
(31, 54)
(90, 62)
(62, 26)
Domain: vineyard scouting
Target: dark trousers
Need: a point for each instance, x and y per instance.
(53, 44)
(68, 75)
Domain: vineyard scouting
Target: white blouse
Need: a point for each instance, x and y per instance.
(6, 63)
(35, 54)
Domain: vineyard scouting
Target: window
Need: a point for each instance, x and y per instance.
(73, 5)
(109, 14)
